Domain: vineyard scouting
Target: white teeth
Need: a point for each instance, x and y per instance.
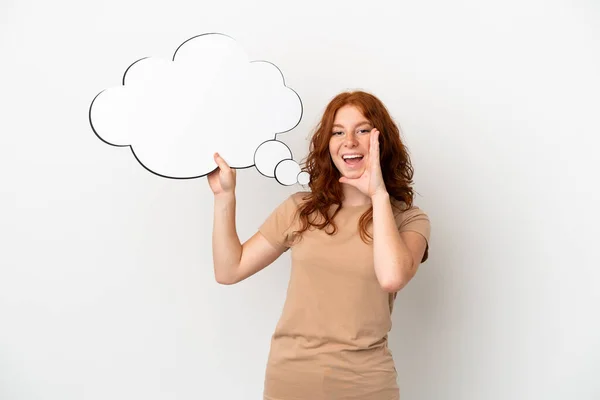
(352, 156)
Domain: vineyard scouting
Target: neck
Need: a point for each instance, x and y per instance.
(354, 197)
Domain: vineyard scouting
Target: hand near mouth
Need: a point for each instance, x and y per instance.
(371, 181)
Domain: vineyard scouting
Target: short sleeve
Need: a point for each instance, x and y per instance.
(278, 227)
(415, 220)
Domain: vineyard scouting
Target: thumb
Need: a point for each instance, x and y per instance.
(220, 162)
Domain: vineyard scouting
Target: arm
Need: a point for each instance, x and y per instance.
(396, 255)
(232, 261)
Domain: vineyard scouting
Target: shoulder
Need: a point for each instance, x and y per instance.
(300, 197)
(401, 209)
(406, 215)
(292, 203)
(297, 199)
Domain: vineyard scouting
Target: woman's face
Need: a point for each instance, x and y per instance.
(349, 141)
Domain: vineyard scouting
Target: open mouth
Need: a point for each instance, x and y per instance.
(352, 159)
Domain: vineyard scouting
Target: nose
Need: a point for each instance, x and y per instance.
(350, 140)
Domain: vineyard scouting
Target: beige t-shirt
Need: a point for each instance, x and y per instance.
(331, 340)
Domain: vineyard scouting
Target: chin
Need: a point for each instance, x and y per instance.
(352, 174)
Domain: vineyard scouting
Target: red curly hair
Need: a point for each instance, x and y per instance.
(326, 190)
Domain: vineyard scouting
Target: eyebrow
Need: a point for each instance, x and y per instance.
(357, 125)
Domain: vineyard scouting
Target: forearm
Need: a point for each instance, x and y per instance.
(393, 262)
(227, 249)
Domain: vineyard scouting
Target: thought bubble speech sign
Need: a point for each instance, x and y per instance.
(175, 114)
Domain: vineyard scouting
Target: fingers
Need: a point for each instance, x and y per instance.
(213, 172)
(374, 147)
(375, 140)
(221, 162)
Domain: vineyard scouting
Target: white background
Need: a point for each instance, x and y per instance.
(106, 282)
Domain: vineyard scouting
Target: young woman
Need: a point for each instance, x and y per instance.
(356, 239)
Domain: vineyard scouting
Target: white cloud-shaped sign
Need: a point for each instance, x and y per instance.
(210, 98)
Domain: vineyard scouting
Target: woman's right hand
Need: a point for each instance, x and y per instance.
(222, 179)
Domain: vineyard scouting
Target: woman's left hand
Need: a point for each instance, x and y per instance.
(371, 181)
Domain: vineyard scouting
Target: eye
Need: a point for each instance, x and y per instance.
(336, 133)
(364, 131)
